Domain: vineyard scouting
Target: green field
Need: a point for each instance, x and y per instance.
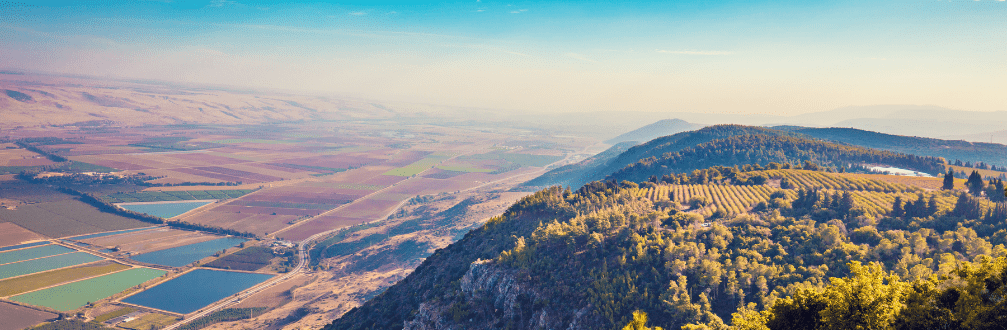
(33, 253)
(44, 264)
(464, 169)
(150, 321)
(114, 314)
(238, 141)
(24, 284)
(418, 166)
(164, 196)
(252, 258)
(520, 159)
(77, 294)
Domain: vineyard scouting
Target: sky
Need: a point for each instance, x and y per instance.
(748, 57)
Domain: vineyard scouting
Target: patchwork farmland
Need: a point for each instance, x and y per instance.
(282, 183)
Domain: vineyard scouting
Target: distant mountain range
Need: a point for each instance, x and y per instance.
(658, 129)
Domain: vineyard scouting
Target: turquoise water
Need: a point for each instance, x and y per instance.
(109, 233)
(44, 264)
(12, 247)
(164, 210)
(32, 253)
(77, 294)
(187, 254)
(196, 289)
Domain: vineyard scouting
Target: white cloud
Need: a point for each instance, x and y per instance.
(693, 52)
(518, 11)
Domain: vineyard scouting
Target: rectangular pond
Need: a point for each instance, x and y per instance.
(21, 246)
(44, 264)
(196, 289)
(32, 253)
(165, 209)
(187, 254)
(74, 295)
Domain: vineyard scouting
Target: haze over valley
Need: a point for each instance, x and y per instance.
(256, 164)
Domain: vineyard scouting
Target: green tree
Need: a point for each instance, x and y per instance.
(639, 322)
(949, 180)
(869, 299)
(975, 183)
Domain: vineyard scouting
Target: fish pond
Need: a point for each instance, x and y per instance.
(165, 209)
(187, 254)
(21, 246)
(44, 264)
(32, 253)
(77, 294)
(196, 289)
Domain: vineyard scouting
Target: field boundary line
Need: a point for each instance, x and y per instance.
(49, 270)
(49, 256)
(65, 283)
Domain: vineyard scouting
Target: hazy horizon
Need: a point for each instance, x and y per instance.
(750, 57)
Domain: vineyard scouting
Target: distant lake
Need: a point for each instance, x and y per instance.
(187, 254)
(164, 209)
(196, 289)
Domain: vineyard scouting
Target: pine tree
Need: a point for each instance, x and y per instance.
(897, 210)
(949, 180)
(975, 183)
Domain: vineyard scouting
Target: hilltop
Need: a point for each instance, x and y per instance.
(689, 245)
(660, 128)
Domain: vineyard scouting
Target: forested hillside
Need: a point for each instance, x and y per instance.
(990, 153)
(587, 259)
(596, 168)
(579, 173)
(762, 149)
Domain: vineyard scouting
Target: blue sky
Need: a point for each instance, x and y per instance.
(775, 57)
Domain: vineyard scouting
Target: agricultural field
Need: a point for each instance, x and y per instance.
(145, 241)
(77, 294)
(12, 234)
(251, 259)
(180, 195)
(150, 321)
(194, 290)
(18, 285)
(286, 180)
(183, 255)
(872, 193)
(64, 218)
(983, 172)
(33, 253)
(17, 317)
(44, 264)
(419, 166)
(110, 233)
(117, 312)
(814, 179)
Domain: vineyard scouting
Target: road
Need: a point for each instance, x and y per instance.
(303, 253)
